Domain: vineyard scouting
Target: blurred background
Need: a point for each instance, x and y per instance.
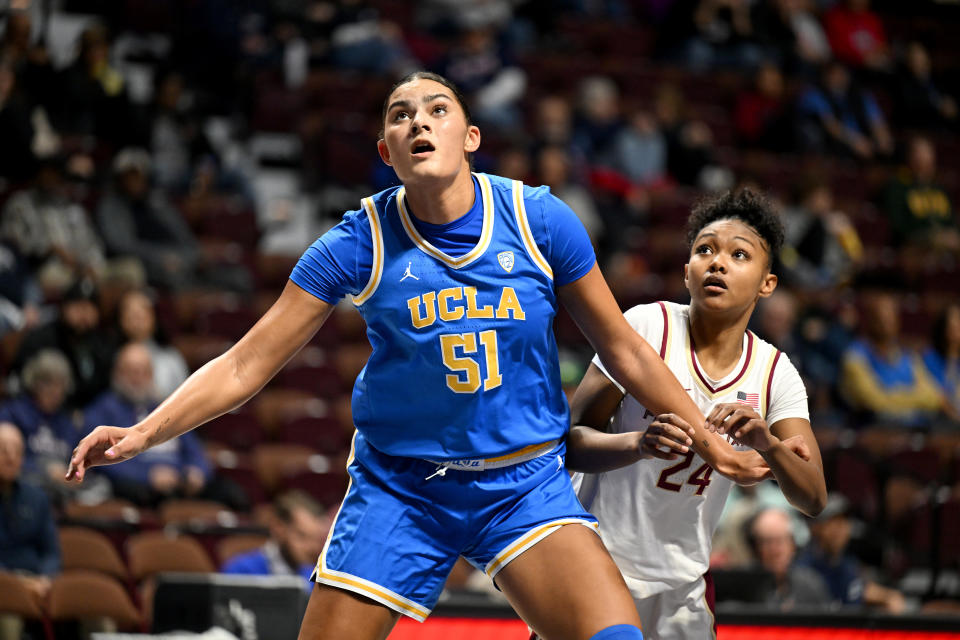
(163, 164)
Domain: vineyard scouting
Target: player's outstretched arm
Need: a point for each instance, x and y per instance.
(221, 385)
(634, 363)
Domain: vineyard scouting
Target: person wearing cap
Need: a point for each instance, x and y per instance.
(136, 220)
(841, 571)
(77, 333)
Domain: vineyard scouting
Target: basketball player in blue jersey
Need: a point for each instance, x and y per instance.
(459, 411)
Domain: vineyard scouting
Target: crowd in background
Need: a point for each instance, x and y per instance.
(163, 164)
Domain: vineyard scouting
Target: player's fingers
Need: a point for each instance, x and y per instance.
(671, 444)
(679, 434)
(745, 427)
(719, 418)
(650, 450)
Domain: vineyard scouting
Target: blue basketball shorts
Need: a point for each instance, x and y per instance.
(402, 525)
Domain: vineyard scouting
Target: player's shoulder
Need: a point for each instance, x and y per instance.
(505, 186)
(659, 313)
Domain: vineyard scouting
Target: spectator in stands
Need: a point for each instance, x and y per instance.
(20, 295)
(553, 170)
(138, 221)
(730, 548)
(942, 358)
(918, 207)
(760, 115)
(791, 30)
(598, 123)
(722, 35)
(880, 378)
(488, 76)
(298, 531)
(920, 103)
(770, 535)
(137, 320)
(93, 98)
(77, 333)
(17, 159)
(857, 36)
(837, 115)
(841, 572)
(821, 246)
(28, 535)
(553, 122)
(49, 429)
(642, 150)
(177, 467)
(52, 231)
(690, 152)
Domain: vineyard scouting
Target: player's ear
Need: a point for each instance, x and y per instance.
(384, 152)
(686, 275)
(768, 285)
(472, 142)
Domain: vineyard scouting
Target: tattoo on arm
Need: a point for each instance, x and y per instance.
(156, 432)
(706, 445)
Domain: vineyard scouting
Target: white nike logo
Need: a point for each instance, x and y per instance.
(407, 274)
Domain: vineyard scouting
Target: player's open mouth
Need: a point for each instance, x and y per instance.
(421, 148)
(714, 284)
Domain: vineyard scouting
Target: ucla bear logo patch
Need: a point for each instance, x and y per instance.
(505, 258)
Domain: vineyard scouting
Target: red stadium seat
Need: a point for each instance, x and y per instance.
(240, 430)
(328, 488)
(851, 473)
(325, 434)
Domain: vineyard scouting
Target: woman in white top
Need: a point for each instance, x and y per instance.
(657, 515)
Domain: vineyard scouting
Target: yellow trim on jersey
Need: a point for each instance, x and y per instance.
(529, 539)
(690, 355)
(376, 271)
(376, 592)
(528, 241)
(764, 383)
(485, 234)
(359, 585)
(521, 452)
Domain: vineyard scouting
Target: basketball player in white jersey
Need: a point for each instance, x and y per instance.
(657, 514)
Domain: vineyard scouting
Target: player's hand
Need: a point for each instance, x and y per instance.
(666, 437)
(799, 446)
(743, 424)
(750, 469)
(104, 445)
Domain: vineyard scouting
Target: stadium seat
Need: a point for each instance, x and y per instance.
(17, 600)
(185, 511)
(88, 549)
(237, 544)
(84, 595)
(198, 350)
(151, 552)
(274, 406)
(923, 464)
(273, 462)
(850, 472)
(237, 468)
(325, 434)
(328, 488)
(239, 430)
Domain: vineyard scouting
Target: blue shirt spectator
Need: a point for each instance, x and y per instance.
(49, 430)
(297, 533)
(177, 466)
(28, 535)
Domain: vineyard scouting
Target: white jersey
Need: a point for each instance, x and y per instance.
(657, 517)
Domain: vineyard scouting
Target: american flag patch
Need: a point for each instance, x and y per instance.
(750, 399)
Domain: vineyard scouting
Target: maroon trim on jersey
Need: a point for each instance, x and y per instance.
(746, 364)
(663, 343)
(711, 597)
(773, 368)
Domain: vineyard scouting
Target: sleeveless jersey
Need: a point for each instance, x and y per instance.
(464, 361)
(657, 517)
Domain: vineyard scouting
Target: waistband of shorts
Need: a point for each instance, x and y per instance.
(480, 464)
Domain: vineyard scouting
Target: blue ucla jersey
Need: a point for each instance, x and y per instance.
(464, 361)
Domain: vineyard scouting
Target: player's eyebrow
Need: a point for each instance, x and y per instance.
(408, 105)
(749, 242)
